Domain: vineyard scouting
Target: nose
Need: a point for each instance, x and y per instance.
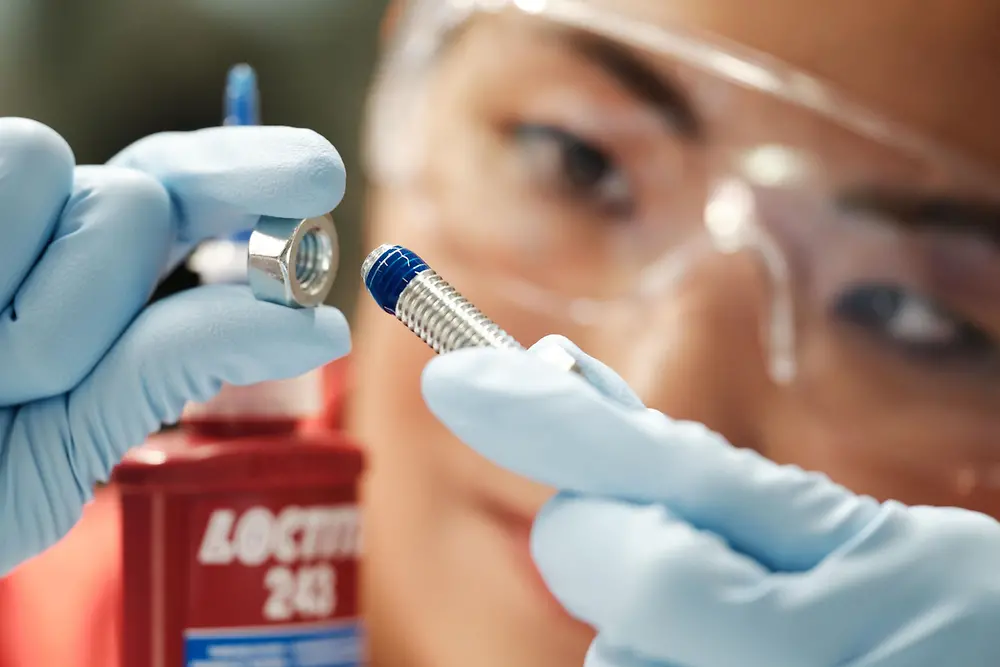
(698, 351)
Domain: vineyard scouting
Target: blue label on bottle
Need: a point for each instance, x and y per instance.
(328, 645)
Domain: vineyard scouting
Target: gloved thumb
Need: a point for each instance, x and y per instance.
(182, 349)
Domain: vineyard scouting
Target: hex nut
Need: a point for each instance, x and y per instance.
(293, 262)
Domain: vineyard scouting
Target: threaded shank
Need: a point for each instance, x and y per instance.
(444, 319)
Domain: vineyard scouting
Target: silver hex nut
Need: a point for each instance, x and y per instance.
(293, 262)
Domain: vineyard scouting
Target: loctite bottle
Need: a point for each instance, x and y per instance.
(241, 535)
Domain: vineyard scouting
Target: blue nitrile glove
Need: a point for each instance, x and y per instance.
(683, 551)
(86, 372)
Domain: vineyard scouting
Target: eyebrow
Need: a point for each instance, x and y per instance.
(650, 87)
(922, 212)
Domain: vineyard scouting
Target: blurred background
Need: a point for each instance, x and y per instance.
(104, 73)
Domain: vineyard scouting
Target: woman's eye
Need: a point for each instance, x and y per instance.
(565, 162)
(913, 323)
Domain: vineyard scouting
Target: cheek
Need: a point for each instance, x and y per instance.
(386, 365)
(885, 453)
(854, 454)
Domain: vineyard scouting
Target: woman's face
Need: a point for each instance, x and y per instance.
(580, 168)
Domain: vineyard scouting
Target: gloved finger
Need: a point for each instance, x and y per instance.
(178, 349)
(223, 179)
(98, 270)
(555, 428)
(654, 586)
(36, 174)
(182, 349)
(600, 377)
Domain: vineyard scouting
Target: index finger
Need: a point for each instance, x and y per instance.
(223, 179)
(36, 176)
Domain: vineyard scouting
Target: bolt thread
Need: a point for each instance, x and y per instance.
(444, 319)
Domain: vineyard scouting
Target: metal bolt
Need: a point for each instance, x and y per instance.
(404, 285)
(293, 262)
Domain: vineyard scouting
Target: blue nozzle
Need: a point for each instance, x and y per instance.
(387, 271)
(242, 96)
(242, 107)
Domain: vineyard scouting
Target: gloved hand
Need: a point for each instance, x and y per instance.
(86, 372)
(683, 551)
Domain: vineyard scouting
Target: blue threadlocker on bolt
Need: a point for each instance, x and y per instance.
(404, 285)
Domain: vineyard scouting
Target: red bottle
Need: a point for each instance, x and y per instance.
(241, 537)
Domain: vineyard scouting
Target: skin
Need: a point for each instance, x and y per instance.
(448, 579)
